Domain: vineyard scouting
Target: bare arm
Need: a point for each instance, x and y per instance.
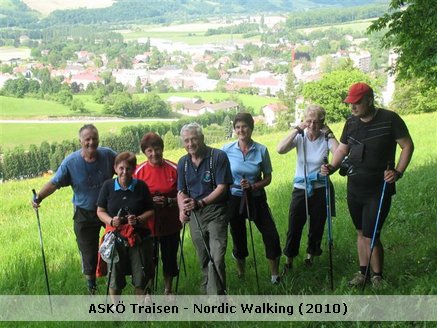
(183, 217)
(286, 144)
(48, 189)
(340, 153)
(407, 149)
(218, 192)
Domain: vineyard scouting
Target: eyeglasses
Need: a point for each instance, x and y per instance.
(309, 122)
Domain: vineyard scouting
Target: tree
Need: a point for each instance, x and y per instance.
(412, 27)
(412, 97)
(227, 127)
(77, 105)
(171, 141)
(288, 98)
(330, 91)
(138, 86)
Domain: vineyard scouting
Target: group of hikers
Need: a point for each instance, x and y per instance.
(145, 207)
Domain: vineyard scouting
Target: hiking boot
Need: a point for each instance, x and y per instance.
(358, 280)
(276, 280)
(92, 290)
(378, 282)
(241, 266)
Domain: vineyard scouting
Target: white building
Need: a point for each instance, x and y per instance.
(361, 60)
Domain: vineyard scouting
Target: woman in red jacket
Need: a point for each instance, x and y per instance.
(160, 175)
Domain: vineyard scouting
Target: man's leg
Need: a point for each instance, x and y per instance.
(87, 237)
(200, 250)
(218, 239)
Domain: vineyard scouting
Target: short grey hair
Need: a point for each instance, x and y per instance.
(192, 126)
(91, 127)
(316, 110)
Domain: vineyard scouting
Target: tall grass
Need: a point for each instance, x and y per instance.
(408, 236)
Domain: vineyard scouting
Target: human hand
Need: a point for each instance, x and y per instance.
(190, 204)
(36, 201)
(245, 184)
(132, 220)
(327, 131)
(160, 200)
(326, 169)
(184, 216)
(391, 175)
(301, 127)
(116, 221)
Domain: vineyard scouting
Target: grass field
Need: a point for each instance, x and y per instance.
(8, 53)
(14, 134)
(355, 26)
(23, 108)
(408, 237)
(190, 38)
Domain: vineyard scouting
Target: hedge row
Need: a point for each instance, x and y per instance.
(20, 163)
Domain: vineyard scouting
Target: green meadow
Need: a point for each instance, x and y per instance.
(408, 236)
(355, 26)
(26, 133)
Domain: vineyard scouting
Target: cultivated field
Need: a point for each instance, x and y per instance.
(358, 26)
(10, 53)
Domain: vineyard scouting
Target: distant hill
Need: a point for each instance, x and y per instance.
(48, 6)
(17, 13)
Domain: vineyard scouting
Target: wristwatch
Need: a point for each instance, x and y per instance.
(398, 174)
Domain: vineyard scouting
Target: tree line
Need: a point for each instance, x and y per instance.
(21, 163)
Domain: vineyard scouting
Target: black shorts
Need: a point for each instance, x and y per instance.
(364, 211)
(87, 229)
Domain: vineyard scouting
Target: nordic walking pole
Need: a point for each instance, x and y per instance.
(372, 244)
(181, 259)
(246, 200)
(156, 258)
(110, 270)
(222, 285)
(305, 173)
(112, 261)
(329, 219)
(42, 253)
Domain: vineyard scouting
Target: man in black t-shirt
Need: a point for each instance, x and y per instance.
(369, 139)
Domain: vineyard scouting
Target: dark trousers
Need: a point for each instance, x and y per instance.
(169, 246)
(261, 216)
(87, 229)
(297, 219)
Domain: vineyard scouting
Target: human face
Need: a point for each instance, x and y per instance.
(314, 125)
(154, 155)
(124, 172)
(243, 131)
(89, 140)
(362, 108)
(193, 142)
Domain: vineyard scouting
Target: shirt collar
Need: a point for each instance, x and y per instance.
(131, 187)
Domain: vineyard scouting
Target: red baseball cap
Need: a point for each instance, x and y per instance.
(357, 91)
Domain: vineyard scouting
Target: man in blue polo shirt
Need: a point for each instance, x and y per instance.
(84, 170)
(204, 177)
